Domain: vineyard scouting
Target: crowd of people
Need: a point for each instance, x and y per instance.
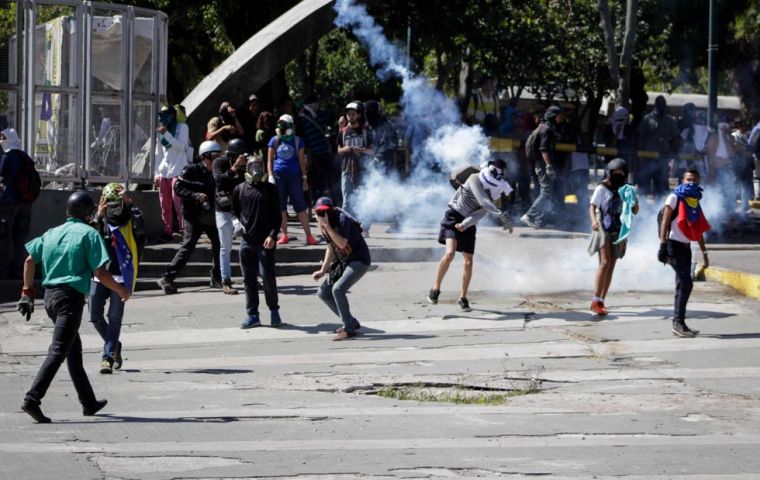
(250, 169)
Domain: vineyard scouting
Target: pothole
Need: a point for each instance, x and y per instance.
(457, 393)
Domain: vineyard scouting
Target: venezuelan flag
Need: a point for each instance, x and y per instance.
(125, 246)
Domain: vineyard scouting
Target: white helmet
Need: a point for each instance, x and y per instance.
(208, 147)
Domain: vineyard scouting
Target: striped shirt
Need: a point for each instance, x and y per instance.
(472, 201)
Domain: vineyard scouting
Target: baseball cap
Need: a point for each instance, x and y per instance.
(286, 118)
(323, 204)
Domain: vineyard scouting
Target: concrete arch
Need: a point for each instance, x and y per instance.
(259, 59)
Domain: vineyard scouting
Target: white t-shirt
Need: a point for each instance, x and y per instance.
(675, 232)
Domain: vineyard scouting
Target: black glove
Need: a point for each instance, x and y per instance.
(662, 254)
(25, 306)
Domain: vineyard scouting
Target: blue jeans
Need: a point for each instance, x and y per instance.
(109, 331)
(226, 231)
(347, 188)
(290, 187)
(256, 260)
(334, 295)
(543, 204)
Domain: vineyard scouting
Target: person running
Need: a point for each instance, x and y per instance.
(287, 161)
(256, 204)
(122, 226)
(70, 255)
(683, 222)
(612, 205)
(471, 202)
(347, 259)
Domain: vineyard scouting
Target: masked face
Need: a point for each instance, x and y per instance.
(255, 171)
(617, 179)
(284, 129)
(496, 172)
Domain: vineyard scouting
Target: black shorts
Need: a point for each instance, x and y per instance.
(465, 240)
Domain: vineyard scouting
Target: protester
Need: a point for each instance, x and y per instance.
(483, 106)
(287, 162)
(264, 131)
(518, 166)
(471, 202)
(256, 204)
(19, 188)
(540, 150)
(384, 137)
(742, 166)
(225, 126)
(682, 223)
(122, 226)
(346, 260)
(70, 254)
(658, 132)
(317, 148)
(197, 190)
(613, 205)
(248, 115)
(171, 158)
(720, 150)
(229, 171)
(354, 146)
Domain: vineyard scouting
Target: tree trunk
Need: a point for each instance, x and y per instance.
(624, 85)
(465, 79)
(609, 40)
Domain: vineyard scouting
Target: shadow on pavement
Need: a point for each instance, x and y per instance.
(297, 289)
(730, 336)
(219, 371)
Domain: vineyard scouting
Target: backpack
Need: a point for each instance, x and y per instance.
(459, 176)
(661, 214)
(28, 182)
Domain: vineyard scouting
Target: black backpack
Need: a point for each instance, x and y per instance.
(28, 182)
(661, 214)
(458, 177)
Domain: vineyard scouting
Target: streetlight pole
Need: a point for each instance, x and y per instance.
(712, 66)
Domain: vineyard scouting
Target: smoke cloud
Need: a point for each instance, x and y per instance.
(422, 197)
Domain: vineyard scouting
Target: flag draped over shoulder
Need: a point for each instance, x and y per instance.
(125, 246)
(690, 218)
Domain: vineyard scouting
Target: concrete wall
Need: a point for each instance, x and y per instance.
(50, 210)
(257, 61)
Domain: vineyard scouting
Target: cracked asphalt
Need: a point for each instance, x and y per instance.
(617, 398)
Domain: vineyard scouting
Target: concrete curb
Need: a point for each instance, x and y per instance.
(746, 283)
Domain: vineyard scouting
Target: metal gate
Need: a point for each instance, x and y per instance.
(82, 83)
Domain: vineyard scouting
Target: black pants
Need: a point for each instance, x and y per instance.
(255, 259)
(194, 228)
(680, 260)
(15, 221)
(64, 307)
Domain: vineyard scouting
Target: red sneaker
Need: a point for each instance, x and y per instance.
(599, 309)
(310, 240)
(283, 240)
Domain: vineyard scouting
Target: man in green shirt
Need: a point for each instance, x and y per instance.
(70, 254)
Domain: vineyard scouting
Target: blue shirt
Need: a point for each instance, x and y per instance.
(286, 156)
(69, 254)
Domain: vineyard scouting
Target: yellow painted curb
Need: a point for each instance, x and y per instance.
(746, 283)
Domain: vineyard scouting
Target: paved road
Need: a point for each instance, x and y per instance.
(200, 398)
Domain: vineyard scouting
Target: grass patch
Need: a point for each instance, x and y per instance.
(459, 394)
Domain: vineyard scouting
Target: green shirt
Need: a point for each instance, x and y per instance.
(69, 254)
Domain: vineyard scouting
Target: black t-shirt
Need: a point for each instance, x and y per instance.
(544, 139)
(349, 229)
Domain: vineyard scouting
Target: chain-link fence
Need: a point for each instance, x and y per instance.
(81, 83)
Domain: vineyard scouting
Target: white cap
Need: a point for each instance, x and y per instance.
(286, 118)
(208, 147)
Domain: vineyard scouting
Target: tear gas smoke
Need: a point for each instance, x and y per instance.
(421, 199)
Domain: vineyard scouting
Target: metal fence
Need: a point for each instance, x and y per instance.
(82, 82)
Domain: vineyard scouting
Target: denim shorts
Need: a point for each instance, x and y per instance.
(290, 187)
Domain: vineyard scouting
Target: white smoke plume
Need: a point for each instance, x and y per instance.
(422, 197)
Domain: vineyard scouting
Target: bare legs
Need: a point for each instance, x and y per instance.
(604, 272)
